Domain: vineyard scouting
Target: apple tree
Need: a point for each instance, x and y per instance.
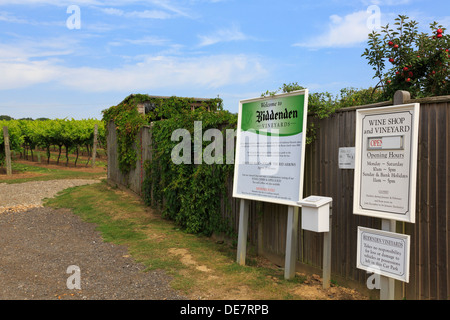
(404, 59)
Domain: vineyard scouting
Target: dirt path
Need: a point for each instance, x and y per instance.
(40, 246)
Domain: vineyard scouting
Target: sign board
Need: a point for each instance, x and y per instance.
(386, 162)
(271, 136)
(347, 158)
(385, 253)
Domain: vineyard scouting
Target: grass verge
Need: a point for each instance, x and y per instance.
(25, 171)
(201, 268)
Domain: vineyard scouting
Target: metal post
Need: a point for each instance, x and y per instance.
(243, 227)
(327, 255)
(7, 151)
(387, 284)
(291, 243)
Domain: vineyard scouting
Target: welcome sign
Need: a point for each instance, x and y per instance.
(270, 149)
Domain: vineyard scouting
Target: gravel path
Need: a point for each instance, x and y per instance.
(21, 196)
(38, 246)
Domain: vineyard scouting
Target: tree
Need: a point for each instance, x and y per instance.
(419, 61)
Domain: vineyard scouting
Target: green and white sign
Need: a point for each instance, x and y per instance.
(270, 149)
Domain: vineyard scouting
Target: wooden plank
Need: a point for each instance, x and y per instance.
(432, 212)
(422, 259)
(442, 194)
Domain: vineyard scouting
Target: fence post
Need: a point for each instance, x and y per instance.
(326, 278)
(243, 231)
(291, 243)
(94, 148)
(7, 151)
(387, 285)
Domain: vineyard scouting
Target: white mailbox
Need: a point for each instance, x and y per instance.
(316, 213)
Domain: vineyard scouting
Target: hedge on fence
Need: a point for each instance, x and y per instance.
(189, 194)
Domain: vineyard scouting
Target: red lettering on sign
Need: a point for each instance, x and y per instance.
(376, 142)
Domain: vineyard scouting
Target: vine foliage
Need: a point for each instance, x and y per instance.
(190, 194)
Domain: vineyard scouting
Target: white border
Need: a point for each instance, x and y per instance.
(402, 237)
(302, 164)
(414, 108)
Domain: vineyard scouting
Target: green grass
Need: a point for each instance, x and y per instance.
(200, 266)
(123, 219)
(44, 173)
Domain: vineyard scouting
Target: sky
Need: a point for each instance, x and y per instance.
(73, 59)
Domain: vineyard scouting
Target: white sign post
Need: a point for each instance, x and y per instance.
(270, 151)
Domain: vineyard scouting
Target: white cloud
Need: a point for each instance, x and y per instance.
(26, 49)
(345, 31)
(8, 17)
(50, 2)
(165, 71)
(145, 14)
(223, 35)
(149, 14)
(21, 69)
(148, 40)
(19, 74)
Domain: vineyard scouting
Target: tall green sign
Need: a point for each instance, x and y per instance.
(270, 150)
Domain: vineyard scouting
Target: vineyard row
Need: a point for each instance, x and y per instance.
(70, 134)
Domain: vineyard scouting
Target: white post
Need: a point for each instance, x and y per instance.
(327, 255)
(291, 242)
(243, 227)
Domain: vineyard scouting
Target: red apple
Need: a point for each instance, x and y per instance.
(396, 46)
(391, 60)
(405, 69)
(408, 80)
(390, 43)
(439, 35)
(439, 31)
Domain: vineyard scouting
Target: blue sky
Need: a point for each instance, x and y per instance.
(76, 58)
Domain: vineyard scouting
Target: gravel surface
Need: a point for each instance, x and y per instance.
(38, 246)
(20, 196)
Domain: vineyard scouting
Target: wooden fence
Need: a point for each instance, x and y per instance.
(430, 245)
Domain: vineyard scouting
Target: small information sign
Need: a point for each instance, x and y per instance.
(347, 158)
(385, 253)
